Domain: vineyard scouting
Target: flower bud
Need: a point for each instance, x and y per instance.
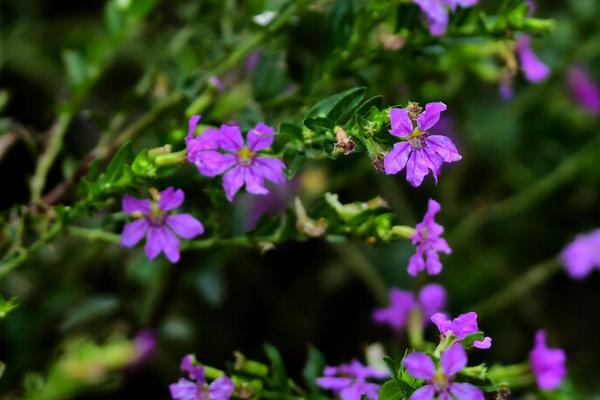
(344, 144)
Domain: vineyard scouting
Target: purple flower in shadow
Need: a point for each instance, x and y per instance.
(432, 298)
(547, 364)
(196, 387)
(584, 90)
(350, 381)
(582, 255)
(418, 151)
(440, 381)
(533, 68)
(460, 327)
(436, 12)
(158, 226)
(428, 242)
(223, 151)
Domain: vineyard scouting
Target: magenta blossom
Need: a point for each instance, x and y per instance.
(436, 12)
(418, 151)
(160, 228)
(534, 69)
(196, 387)
(585, 91)
(432, 298)
(428, 242)
(461, 327)
(440, 381)
(582, 255)
(350, 381)
(547, 364)
(223, 151)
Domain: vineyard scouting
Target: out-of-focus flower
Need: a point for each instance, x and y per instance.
(252, 60)
(144, 344)
(533, 68)
(436, 12)
(350, 381)
(196, 387)
(461, 327)
(585, 91)
(272, 204)
(158, 226)
(439, 381)
(582, 255)
(223, 151)
(428, 241)
(217, 83)
(431, 299)
(418, 151)
(264, 18)
(547, 364)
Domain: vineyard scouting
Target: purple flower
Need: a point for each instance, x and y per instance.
(461, 327)
(418, 151)
(159, 227)
(436, 12)
(584, 90)
(350, 381)
(144, 344)
(547, 364)
(197, 388)
(440, 382)
(223, 151)
(273, 204)
(432, 298)
(534, 69)
(582, 255)
(428, 242)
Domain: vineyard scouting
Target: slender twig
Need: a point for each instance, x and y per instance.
(523, 285)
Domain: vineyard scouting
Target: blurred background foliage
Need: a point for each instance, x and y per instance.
(528, 181)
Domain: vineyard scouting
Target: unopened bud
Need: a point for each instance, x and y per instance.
(159, 151)
(391, 41)
(413, 110)
(154, 193)
(344, 144)
(377, 163)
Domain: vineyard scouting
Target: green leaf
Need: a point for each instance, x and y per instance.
(315, 363)
(333, 106)
(143, 166)
(517, 16)
(269, 78)
(291, 132)
(117, 164)
(468, 341)
(2, 368)
(392, 367)
(279, 379)
(344, 108)
(76, 68)
(6, 306)
(318, 124)
(364, 109)
(391, 390)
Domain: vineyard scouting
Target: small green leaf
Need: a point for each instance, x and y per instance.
(291, 132)
(279, 379)
(116, 166)
(6, 306)
(319, 124)
(364, 109)
(391, 390)
(315, 363)
(332, 106)
(392, 367)
(76, 68)
(143, 166)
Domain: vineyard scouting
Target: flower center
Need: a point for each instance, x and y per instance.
(157, 216)
(245, 156)
(415, 140)
(440, 382)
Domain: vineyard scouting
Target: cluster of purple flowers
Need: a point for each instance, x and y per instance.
(224, 152)
(351, 381)
(196, 387)
(436, 12)
(431, 299)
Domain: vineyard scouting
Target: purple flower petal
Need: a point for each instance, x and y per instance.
(442, 322)
(211, 162)
(170, 199)
(416, 168)
(260, 137)
(419, 365)
(432, 299)
(547, 364)
(161, 239)
(416, 263)
(192, 123)
(400, 122)
(464, 325)
(195, 372)
(233, 181)
(133, 232)
(183, 390)
(436, 13)
(582, 255)
(270, 168)
(396, 315)
(466, 391)
(454, 359)
(423, 393)
(585, 91)
(395, 160)
(431, 115)
(254, 181)
(443, 146)
(185, 225)
(231, 138)
(131, 204)
(221, 388)
(432, 262)
(333, 383)
(534, 69)
(484, 344)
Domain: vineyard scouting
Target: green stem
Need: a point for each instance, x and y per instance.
(94, 234)
(523, 285)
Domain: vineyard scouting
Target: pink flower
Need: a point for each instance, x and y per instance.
(158, 226)
(418, 151)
